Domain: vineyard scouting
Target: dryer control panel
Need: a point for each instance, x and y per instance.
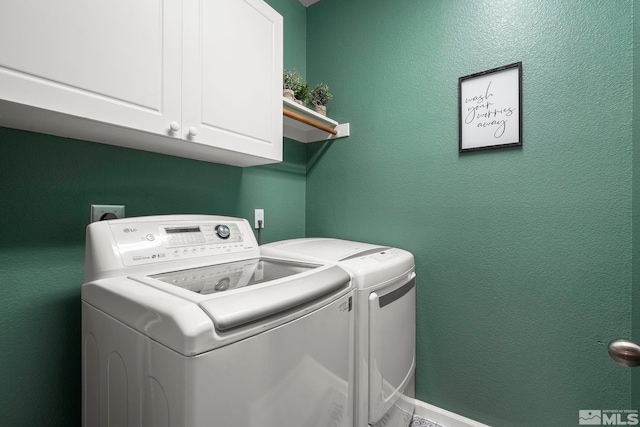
(153, 240)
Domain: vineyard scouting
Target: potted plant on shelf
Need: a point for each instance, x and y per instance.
(319, 98)
(301, 92)
(290, 80)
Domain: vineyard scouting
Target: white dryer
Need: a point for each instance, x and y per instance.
(185, 324)
(385, 303)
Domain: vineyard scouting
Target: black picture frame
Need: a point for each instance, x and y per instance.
(490, 109)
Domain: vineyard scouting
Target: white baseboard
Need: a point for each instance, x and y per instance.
(441, 416)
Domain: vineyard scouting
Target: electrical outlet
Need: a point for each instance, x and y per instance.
(98, 211)
(259, 216)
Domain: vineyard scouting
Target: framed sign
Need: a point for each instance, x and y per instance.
(490, 109)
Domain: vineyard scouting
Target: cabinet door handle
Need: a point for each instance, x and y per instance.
(175, 126)
(625, 352)
(193, 131)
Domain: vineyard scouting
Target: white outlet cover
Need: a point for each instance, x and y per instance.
(259, 215)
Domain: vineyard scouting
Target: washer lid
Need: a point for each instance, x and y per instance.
(230, 276)
(241, 308)
(241, 292)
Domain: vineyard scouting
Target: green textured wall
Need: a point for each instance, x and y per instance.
(635, 397)
(524, 256)
(46, 187)
(295, 31)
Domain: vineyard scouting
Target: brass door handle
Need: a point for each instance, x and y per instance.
(625, 352)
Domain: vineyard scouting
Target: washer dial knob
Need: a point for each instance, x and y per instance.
(223, 231)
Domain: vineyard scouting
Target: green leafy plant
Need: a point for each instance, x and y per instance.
(302, 92)
(291, 79)
(320, 95)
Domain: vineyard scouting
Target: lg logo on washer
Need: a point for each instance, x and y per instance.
(620, 417)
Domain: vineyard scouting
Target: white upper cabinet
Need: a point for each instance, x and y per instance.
(197, 79)
(115, 62)
(232, 75)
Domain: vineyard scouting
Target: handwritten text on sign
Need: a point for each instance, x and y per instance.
(489, 109)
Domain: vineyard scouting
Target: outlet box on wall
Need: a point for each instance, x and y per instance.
(259, 218)
(99, 212)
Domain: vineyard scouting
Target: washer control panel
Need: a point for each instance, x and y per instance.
(223, 231)
(140, 242)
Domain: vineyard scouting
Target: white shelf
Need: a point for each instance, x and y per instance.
(303, 132)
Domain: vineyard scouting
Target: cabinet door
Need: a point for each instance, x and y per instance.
(116, 61)
(232, 77)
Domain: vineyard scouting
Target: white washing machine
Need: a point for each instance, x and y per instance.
(185, 324)
(385, 303)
